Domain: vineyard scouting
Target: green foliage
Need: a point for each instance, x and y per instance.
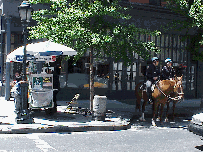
(82, 25)
(193, 11)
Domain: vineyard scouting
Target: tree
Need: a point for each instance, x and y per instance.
(193, 11)
(96, 25)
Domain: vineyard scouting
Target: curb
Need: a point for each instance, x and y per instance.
(60, 128)
(196, 129)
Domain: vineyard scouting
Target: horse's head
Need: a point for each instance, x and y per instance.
(178, 88)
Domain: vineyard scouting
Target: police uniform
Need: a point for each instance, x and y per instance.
(167, 73)
(152, 71)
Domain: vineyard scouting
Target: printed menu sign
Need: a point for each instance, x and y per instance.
(37, 82)
(42, 81)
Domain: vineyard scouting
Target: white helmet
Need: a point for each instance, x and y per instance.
(155, 59)
(168, 60)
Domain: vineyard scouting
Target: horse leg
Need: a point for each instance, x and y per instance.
(157, 114)
(174, 105)
(167, 112)
(143, 109)
(161, 112)
(144, 97)
(138, 105)
(154, 109)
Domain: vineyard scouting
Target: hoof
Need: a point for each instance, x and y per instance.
(153, 123)
(166, 120)
(158, 119)
(142, 119)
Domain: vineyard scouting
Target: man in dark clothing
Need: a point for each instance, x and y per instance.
(56, 85)
(152, 75)
(16, 92)
(168, 72)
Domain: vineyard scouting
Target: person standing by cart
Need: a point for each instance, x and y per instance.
(56, 85)
(16, 92)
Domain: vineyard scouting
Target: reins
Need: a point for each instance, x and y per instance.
(175, 99)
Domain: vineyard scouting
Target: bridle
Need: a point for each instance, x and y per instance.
(179, 97)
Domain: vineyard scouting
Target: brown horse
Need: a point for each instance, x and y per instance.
(164, 90)
(175, 100)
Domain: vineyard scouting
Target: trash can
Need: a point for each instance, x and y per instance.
(99, 108)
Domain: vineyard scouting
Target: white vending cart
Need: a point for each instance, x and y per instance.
(41, 92)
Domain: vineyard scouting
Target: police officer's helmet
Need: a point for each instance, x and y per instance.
(155, 59)
(168, 60)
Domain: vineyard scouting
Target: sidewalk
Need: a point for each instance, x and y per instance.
(65, 122)
(59, 122)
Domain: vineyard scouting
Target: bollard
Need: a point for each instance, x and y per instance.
(99, 108)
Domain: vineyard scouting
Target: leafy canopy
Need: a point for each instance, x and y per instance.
(193, 11)
(101, 25)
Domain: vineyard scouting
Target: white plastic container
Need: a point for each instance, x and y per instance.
(42, 98)
(99, 107)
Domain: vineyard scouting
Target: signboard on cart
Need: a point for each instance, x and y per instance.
(42, 81)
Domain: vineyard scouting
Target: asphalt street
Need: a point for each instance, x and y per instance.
(131, 140)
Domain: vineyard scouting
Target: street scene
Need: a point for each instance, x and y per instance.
(91, 75)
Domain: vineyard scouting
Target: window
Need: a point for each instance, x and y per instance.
(117, 75)
(131, 76)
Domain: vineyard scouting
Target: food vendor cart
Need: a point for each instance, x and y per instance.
(41, 92)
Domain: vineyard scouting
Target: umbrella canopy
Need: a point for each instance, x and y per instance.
(46, 48)
(17, 56)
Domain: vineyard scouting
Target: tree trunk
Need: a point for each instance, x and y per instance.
(91, 85)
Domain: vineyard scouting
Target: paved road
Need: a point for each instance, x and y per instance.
(132, 140)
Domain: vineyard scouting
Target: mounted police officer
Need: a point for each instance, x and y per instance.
(152, 75)
(168, 72)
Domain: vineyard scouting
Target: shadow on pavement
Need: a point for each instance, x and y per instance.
(180, 121)
(60, 117)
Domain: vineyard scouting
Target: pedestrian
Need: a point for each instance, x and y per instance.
(16, 92)
(56, 86)
(152, 75)
(168, 72)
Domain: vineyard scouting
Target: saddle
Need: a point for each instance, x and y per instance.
(143, 86)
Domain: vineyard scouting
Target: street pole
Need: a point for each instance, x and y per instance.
(24, 85)
(8, 49)
(1, 56)
(25, 14)
(24, 51)
(1, 62)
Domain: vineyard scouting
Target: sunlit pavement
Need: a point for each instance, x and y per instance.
(120, 116)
